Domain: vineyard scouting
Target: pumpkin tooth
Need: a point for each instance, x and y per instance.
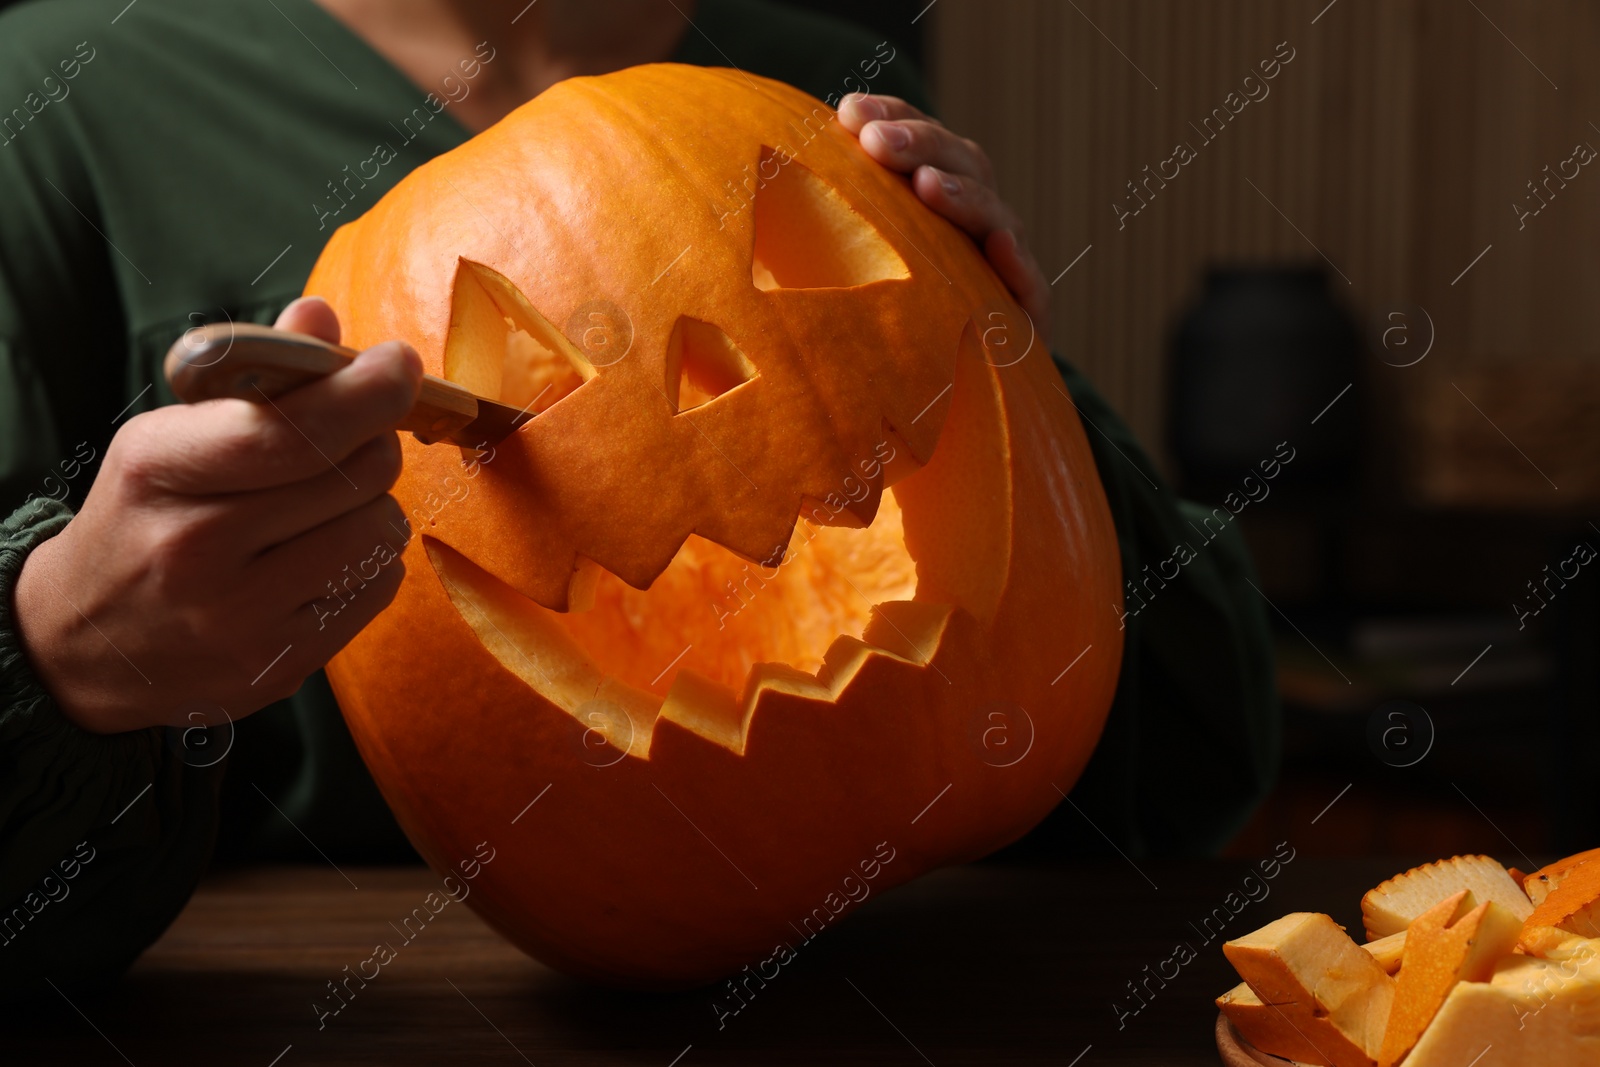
(585, 577)
(696, 703)
(908, 629)
(838, 512)
(894, 456)
(713, 712)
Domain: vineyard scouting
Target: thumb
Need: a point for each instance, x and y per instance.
(311, 315)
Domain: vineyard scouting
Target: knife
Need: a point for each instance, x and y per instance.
(250, 362)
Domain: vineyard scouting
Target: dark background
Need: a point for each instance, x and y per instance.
(1321, 238)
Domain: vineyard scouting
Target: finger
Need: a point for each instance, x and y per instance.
(905, 146)
(1020, 271)
(335, 562)
(307, 637)
(312, 315)
(316, 633)
(257, 522)
(858, 109)
(229, 446)
(965, 201)
(338, 619)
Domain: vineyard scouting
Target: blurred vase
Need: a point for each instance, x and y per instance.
(1263, 353)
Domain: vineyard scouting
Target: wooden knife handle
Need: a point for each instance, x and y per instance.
(250, 362)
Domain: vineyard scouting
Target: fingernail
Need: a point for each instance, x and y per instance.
(949, 183)
(869, 107)
(894, 135)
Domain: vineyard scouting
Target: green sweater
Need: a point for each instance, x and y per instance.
(175, 162)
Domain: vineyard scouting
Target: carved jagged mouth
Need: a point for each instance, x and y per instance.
(710, 633)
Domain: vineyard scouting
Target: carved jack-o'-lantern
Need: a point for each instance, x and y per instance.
(692, 729)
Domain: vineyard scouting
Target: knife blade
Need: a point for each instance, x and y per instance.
(257, 363)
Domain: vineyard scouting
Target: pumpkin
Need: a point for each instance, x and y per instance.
(671, 654)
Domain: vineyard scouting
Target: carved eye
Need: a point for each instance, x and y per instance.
(702, 364)
(809, 237)
(500, 347)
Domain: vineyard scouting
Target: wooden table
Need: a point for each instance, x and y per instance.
(988, 964)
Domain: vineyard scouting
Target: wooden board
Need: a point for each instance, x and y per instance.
(999, 964)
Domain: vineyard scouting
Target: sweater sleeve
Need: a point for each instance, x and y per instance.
(1191, 746)
(102, 837)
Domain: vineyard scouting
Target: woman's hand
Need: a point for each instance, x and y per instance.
(188, 578)
(953, 176)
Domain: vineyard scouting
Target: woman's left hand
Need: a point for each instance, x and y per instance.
(953, 176)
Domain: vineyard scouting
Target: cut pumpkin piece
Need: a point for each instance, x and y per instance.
(1542, 883)
(1392, 906)
(1307, 968)
(1531, 1013)
(1388, 951)
(1553, 943)
(1451, 942)
(1279, 1030)
(1573, 905)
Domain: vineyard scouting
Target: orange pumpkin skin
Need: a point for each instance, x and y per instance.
(710, 814)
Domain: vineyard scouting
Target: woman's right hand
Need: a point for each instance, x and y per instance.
(187, 580)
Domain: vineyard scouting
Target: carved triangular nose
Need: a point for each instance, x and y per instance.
(702, 364)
